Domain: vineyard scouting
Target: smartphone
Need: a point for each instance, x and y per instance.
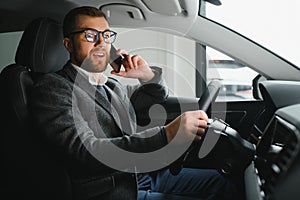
(115, 60)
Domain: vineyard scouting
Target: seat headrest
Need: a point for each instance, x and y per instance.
(41, 47)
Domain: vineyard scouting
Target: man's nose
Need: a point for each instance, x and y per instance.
(100, 40)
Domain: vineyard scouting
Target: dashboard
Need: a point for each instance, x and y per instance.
(275, 171)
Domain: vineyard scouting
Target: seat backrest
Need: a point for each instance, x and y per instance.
(27, 168)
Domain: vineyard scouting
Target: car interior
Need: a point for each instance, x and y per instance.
(27, 165)
(256, 142)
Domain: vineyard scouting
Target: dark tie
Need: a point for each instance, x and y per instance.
(119, 107)
(102, 91)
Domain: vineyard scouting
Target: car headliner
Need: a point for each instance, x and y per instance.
(157, 15)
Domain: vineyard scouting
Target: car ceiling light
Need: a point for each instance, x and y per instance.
(118, 11)
(165, 7)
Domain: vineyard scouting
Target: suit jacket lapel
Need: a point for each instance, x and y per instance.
(124, 99)
(84, 84)
(113, 108)
(123, 107)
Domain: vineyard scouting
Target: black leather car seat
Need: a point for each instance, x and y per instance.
(27, 168)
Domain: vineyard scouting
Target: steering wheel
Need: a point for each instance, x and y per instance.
(208, 97)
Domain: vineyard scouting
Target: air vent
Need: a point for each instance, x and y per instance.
(285, 159)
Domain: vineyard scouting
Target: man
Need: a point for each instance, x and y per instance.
(89, 118)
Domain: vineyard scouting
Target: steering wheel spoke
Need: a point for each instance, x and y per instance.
(209, 95)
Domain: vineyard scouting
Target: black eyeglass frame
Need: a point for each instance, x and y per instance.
(114, 35)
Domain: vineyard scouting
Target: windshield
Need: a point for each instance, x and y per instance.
(273, 24)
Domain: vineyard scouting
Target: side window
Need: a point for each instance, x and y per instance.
(8, 46)
(236, 77)
(177, 57)
(174, 54)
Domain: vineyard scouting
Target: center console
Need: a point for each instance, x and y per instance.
(275, 171)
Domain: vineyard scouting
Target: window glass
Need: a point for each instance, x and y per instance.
(176, 56)
(236, 78)
(273, 24)
(8, 46)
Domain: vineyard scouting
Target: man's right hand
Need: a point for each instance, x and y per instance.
(190, 126)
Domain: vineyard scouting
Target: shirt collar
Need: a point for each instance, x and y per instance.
(93, 78)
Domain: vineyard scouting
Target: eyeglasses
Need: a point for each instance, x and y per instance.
(93, 35)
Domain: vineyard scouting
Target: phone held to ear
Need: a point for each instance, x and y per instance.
(115, 60)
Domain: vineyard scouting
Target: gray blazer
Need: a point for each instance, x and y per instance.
(76, 120)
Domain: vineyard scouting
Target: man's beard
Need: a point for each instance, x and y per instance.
(92, 66)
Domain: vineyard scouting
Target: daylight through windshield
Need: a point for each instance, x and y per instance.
(273, 24)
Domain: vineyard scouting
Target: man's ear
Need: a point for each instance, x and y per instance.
(68, 44)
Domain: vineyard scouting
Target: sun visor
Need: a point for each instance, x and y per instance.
(165, 7)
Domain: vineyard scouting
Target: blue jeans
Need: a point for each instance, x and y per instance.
(190, 182)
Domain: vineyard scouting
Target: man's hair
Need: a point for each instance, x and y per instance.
(69, 23)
